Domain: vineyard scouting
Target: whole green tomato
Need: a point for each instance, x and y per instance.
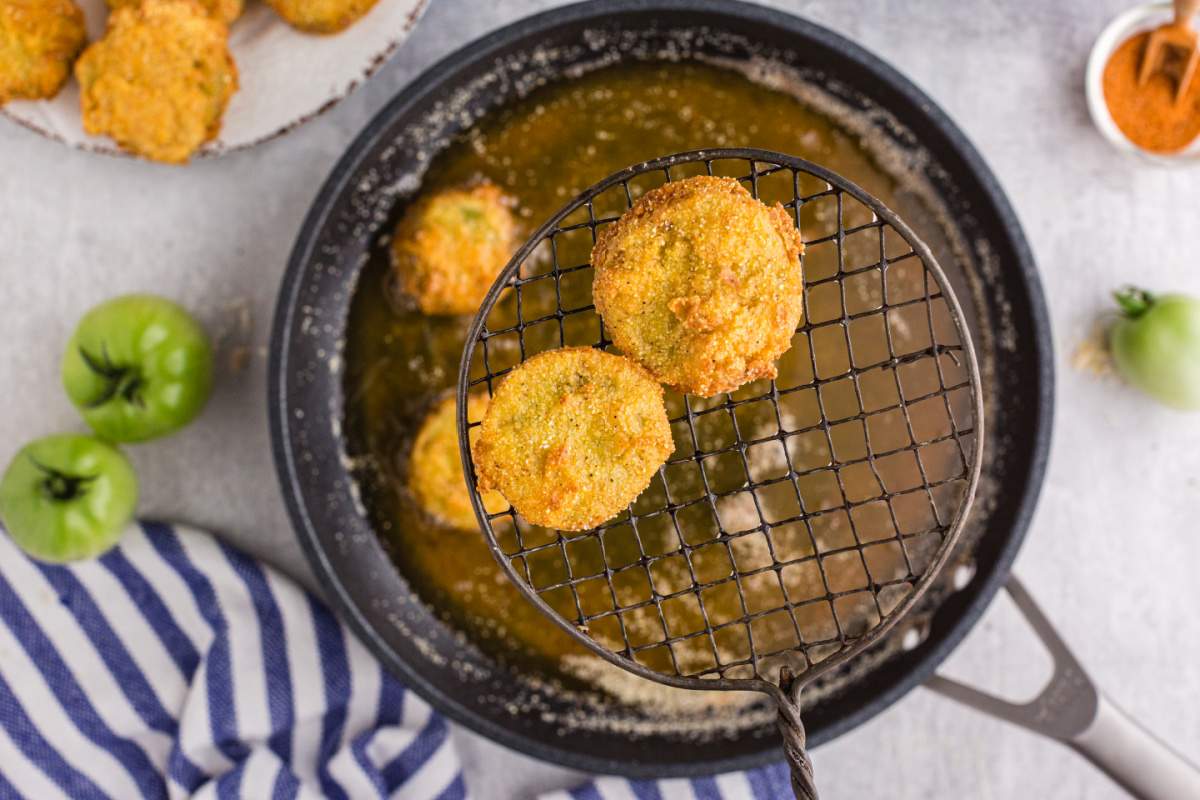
(67, 497)
(1156, 345)
(138, 367)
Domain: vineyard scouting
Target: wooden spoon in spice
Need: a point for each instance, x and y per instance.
(1172, 48)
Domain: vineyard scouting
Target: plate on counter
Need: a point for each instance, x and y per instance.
(287, 77)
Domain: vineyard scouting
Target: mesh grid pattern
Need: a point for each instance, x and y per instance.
(850, 473)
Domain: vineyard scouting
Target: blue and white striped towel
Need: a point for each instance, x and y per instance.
(177, 667)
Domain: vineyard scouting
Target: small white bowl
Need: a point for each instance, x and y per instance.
(1135, 20)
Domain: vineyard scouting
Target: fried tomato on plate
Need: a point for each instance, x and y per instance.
(225, 10)
(38, 41)
(321, 16)
(160, 79)
(701, 283)
(572, 437)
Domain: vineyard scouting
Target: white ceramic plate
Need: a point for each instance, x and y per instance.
(286, 77)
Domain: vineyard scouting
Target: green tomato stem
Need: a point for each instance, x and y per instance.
(130, 386)
(58, 485)
(119, 381)
(1134, 302)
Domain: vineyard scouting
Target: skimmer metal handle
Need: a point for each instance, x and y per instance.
(867, 528)
(1070, 709)
(795, 740)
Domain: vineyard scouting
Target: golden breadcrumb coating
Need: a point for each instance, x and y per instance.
(38, 41)
(450, 246)
(701, 283)
(572, 437)
(160, 79)
(321, 16)
(435, 475)
(225, 10)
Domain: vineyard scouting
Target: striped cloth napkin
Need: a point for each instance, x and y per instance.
(176, 667)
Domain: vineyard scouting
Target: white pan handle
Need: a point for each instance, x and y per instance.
(1135, 758)
(1071, 710)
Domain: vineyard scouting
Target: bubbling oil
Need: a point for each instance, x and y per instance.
(545, 149)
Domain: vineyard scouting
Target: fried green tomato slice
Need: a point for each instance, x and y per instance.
(321, 16)
(701, 283)
(38, 41)
(225, 10)
(160, 79)
(435, 475)
(572, 437)
(449, 247)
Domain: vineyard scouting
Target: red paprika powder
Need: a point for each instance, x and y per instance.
(1149, 115)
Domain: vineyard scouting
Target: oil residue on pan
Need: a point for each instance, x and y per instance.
(543, 149)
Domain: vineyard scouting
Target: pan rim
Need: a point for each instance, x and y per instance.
(446, 71)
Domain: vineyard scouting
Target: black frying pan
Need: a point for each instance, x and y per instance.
(306, 397)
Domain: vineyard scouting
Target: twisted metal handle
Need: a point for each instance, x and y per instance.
(795, 740)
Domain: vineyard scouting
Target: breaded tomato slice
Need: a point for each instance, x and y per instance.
(450, 246)
(160, 79)
(572, 437)
(225, 10)
(435, 475)
(38, 41)
(321, 16)
(701, 283)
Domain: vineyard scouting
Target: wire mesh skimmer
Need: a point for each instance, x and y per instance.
(799, 518)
